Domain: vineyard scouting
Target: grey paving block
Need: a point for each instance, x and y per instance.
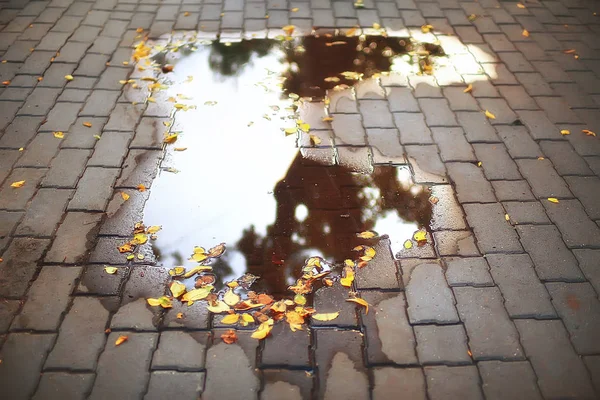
(437, 112)
(471, 185)
(429, 297)
(412, 127)
(564, 158)
(20, 265)
(453, 383)
(401, 99)
(184, 385)
(40, 151)
(389, 336)
(8, 308)
(74, 238)
(286, 383)
(66, 168)
(385, 145)
(459, 100)
(94, 189)
(496, 163)
(61, 117)
(22, 357)
(530, 212)
(136, 315)
(557, 110)
(180, 350)
(100, 103)
(578, 306)
(517, 98)
(124, 117)
(494, 234)
(588, 262)
(123, 370)
(391, 381)
(333, 299)
(518, 142)
(574, 224)
(512, 190)
(593, 365)
(560, 372)
(63, 385)
(453, 145)
(81, 337)
(111, 149)
(442, 344)
(384, 274)
(446, 213)
(39, 102)
(16, 199)
(9, 222)
(456, 243)
(543, 179)
(508, 380)
(140, 167)
(477, 128)
(524, 295)
(468, 271)
(492, 335)
(297, 346)
(82, 137)
(539, 125)
(587, 190)
(375, 114)
(348, 129)
(44, 212)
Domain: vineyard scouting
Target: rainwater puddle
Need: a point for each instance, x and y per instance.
(242, 181)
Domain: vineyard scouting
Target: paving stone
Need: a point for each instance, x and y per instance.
(427, 167)
(512, 190)
(66, 168)
(584, 145)
(36, 63)
(375, 114)
(468, 271)
(20, 265)
(588, 262)
(95, 281)
(429, 297)
(524, 295)
(348, 129)
(455, 243)
(453, 383)
(501, 110)
(539, 125)
(586, 189)
(39, 101)
(136, 315)
(339, 360)
(543, 179)
(557, 110)
(446, 213)
(145, 281)
(517, 98)
(289, 384)
(508, 380)
(124, 117)
(44, 212)
(557, 264)
(477, 128)
(40, 151)
(471, 185)
(296, 344)
(518, 142)
(560, 372)
(183, 385)
(453, 144)
(492, 334)
(437, 112)
(140, 167)
(61, 117)
(111, 150)
(81, 337)
(62, 385)
(401, 99)
(391, 381)
(123, 370)
(7, 160)
(100, 103)
(496, 162)
(94, 189)
(389, 336)
(38, 313)
(195, 316)
(22, 357)
(19, 132)
(9, 222)
(385, 145)
(16, 199)
(516, 62)
(459, 101)
(231, 358)
(183, 351)
(574, 224)
(530, 212)
(8, 308)
(73, 238)
(333, 299)
(564, 158)
(150, 133)
(578, 306)
(442, 344)
(413, 129)
(383, 275)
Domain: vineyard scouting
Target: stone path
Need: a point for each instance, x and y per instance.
(497, 309)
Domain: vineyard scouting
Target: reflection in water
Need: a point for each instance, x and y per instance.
(242, 181)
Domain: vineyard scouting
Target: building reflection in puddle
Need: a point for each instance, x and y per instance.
(242, 181)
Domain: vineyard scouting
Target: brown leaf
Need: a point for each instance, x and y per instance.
(217, 251)
(121, 339)
(588, 132)
(229, 336)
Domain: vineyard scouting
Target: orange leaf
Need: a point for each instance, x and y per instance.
(229, 336)
(519, 5)
(17, 184)
(525, 33)
(87, 124)
(125, 196)
(360, 301)
(121, 340)
(588, 132)
(468, 88)
(141, 188)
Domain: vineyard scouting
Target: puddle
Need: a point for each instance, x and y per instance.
(242, 181)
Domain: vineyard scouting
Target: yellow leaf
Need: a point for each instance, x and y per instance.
(139, 238)
(120, 340)
(300, 299)
(170, 138)
(507, 217)
(153, 229)
(348, 278)
(327, 119)
(472, 17)
(194, 271)
(489, 115)
(110, 270)
(304, 127)
(479, 163)
(177, 288)
(325, 316)
(263, 330)
(376, 25)
(420, 236)
(230, 319)
(408, 244)
(180, 148)
(247, 318)
(179, 315)
(186, 14)
(314, 140)
(290, 131)
(349, 263)
(230, 298)
(177, 271)
(130, 257)
(552, 199)
(162, 301)
(426, 28)
(367, 235)
(295, 9)
(69, 77)
(588, 132)
(369, 252)
(360, 301)
(288, 29)
(350, 32)
(17, 184)
(153, 302)
(565, 132)
(519, 5)
(87, 124)
(219, 307)
(97, 137)
(525, 33)
(196, 294)
(58, 135)
(125, 196)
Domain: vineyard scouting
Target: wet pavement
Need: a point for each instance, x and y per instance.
(376, 200)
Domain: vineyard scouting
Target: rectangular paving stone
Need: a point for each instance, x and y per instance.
(492, 334)
(477, 127)
(183, 385)
(452, 144)
(593, 365)
(578, 306)
(348, 129)
(553, 261)
(375, 114)
(39, 101)
(459, 100)
(496, 162)
(539, 125)
(150, 133)
(391, 381)
(557, 110)
(297, 346)
(66, 168)
(412, 127)
(384, 274)
(517, 98)
(456, 243)
(124, 117)
(508, 380)
(72, 243)
(385, 145)
(437, 112)
(40, 151)
(518, 142)
(94, 189)
(543, 179)
(100, 103)
(22, 357)
(468, 271)
(564, 158)
(180, 350)
(524, 295)
(446, 213)
(62, 385)
(530, 212)
(589, 262)
(61, 117)
(587, 190)
(442, 344)
(9, 222)
(471, 185)
(559, 370)
(20, 265)
(16, 199)
(501, 110)
(494, 234)
(574, 224)
(453, 383)
(111, 149)
(44, 213)
(81, 337)
(123, 370)
(512, 190)
(140, 167)
(82, 137)
(401, 99)
(39, 314)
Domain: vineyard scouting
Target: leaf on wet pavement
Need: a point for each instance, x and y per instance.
(325, 316)
(177, 288)
(230, 319)
(229, 336)
(172, 138)
(230, 298)
(553, 200)
(295, 9)
(360, 301)
(263, 330)
(58, 135)
(17, 184)
(314, 140)
(300, 299)
(420, 237)
(139, 238)
(162, 301)
(153, 229)
(218, 307)
(295, 320)
(121, 339)
(177, 271)
(426, 28)
(348, 277)
(196, 294)
(246, 319)
(125, 196)
(489, 115)
(408, 244)
(289, 29)
(367, 235)
(110, 270)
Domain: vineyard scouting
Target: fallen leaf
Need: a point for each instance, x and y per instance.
(121, 339)
(348, 277)
(230, 298)
(325, 316)
(218, 307)
(162, 301)
(87, 124)
(139, 238)
(6, 83)
(17, 184)
(295, 9)
(196, 294)
(180, 148)
(553, 200)
(360, 301)
(179, 315)
(247, 319)
(97, 137)
(570, 51)
(217, 251)
(110, 270)
(375, 24)
(229, 336)
(426, 28)
(58, 135)
(479, 163)
(314, 140)
(565, 132)
(489, 115)
(350, 32)
(295, 320)
(366, 235)
(288, 29)
(433, 200)
(472, 17)
(69, 77)
(408, 244)
(300, 299)
(519, 5)
(263, 329)
(177, 288)
(290, 131)
(230, 319)
(186, 14)
(327, 119)
(507, 217)
(525, 33)
(125, 196)
(153, 229)
(170, 138)
(468, 88)
(588, 132)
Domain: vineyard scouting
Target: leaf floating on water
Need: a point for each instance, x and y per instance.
(362, 302)
(196, 294)
(230, 298)
(263, 330)
(290, 131)
(210, 103)
(325, 316)
(489, 115)
(426, 28)
(553, 200)
(177, 288)
(180, 148)
(367, 235)
(468, 88)
(247, 319)
(58, 135)
(408, 245)
(177, 271)
(121, 339)
(348, 277)
(565, 132)
(229, 336)
(110, 270)
(218, 307)
(217, 251)
(588, 132)
(230, 319)
(153, 229)
(300, 299)
(420, 237)
(17, 184)
(289, 29)
(171, 138)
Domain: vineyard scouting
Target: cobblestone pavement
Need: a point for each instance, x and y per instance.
(497, 309)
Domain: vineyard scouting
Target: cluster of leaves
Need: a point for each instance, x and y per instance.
(141, 234)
